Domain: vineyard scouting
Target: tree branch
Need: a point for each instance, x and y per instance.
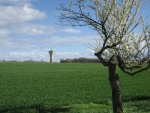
(124, 68)
(99, 55)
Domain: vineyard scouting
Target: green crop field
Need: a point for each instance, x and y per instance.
(68, 88)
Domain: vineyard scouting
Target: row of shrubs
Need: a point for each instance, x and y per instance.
(21, 61)
(80, 60)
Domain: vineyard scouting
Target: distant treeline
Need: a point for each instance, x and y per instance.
(80, 60)
(21, 61)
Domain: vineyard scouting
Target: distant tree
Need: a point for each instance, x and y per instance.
(124, 38)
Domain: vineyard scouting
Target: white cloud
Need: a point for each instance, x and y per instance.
(5, 43)
(8, 43)
(32, 29)
(74, 40)
(15, 2)
(18, 14)
(5, 40)
(70, 30)
(23, 56)
(4, 32)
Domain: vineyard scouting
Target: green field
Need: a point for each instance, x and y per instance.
(69, 88)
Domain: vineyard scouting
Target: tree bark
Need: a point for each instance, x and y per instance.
(114, 83)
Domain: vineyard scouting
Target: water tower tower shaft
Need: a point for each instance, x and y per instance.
(51, 56)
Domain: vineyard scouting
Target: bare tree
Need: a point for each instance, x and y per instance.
(124, 38)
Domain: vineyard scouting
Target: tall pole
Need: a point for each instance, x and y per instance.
(51, 56)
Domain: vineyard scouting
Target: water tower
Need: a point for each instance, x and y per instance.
(51, 56)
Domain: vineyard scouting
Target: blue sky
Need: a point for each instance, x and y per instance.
(29, 29)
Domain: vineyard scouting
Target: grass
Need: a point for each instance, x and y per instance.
(71, 88)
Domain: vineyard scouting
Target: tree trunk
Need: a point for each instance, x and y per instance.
(114, 82)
